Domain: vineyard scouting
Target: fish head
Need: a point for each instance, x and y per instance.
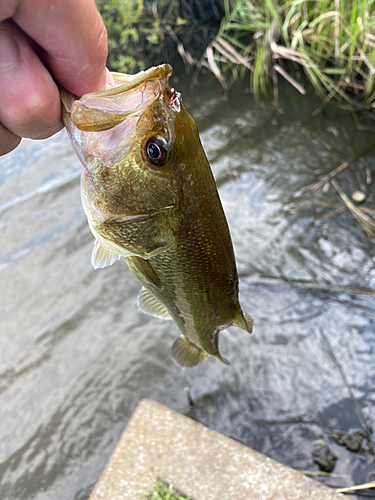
(139, 147)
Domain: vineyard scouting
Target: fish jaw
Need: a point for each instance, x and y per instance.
(97, 112)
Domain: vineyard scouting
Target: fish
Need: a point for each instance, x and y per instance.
(150, 197)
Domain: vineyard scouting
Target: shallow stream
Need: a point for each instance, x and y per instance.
(76, 355)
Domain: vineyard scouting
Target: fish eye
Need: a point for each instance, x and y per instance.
(157, 151)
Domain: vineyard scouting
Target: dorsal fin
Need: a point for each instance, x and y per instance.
(101, 257)
(149, 304)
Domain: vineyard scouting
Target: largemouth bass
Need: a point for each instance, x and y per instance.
(150, 197)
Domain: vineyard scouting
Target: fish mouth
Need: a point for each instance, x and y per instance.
(102, 125)
(131, 82)
(93, 112)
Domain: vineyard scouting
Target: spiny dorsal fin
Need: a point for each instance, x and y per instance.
(245, 322)
(187, 354)
(101, 257)
(149, 304)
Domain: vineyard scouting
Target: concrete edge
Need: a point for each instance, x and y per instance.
(161, 443)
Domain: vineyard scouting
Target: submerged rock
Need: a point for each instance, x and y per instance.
(324, 458)
(352, 442)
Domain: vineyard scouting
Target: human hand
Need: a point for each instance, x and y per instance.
(43, 42)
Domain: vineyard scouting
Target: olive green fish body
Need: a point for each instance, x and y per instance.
(149, 195)
(190, 282)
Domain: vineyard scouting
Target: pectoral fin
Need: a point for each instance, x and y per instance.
(101, 257)
(187, 354)
(245, 322)
(149, 304)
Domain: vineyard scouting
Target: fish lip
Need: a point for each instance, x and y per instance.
(160, 72)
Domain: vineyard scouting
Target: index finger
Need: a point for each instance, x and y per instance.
(73, 37)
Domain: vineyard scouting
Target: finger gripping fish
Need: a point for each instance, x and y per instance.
(150, 197)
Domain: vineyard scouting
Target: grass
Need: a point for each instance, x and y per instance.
(163, 491)
(331, 41)
(136, 31)
(362, 214)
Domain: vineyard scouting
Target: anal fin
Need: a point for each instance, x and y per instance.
(187, 354)
(149, 304)
(101, 257)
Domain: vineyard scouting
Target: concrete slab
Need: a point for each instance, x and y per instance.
(161, 443)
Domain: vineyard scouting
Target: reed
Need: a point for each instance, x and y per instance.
(331, 41)
(142, 33)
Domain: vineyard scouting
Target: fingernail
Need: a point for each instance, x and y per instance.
(8, 52)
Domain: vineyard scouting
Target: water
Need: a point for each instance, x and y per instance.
(76, 355)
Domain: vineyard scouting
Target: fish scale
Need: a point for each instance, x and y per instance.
(150, 197)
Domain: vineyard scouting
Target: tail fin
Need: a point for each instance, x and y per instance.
(220, 358)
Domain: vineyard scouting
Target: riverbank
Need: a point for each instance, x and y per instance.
(329, 42)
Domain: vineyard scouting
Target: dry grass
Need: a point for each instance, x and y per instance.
(331, 41)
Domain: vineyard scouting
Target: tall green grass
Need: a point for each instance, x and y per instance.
(331, 41)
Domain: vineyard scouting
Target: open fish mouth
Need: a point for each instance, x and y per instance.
(87, 117)
(115, 110)
(131, 94)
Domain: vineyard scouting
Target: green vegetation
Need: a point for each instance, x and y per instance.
(331, 41)
(134, 31)
(163, 491)
(125, 26)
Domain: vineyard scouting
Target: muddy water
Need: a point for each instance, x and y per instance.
(76, 355)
